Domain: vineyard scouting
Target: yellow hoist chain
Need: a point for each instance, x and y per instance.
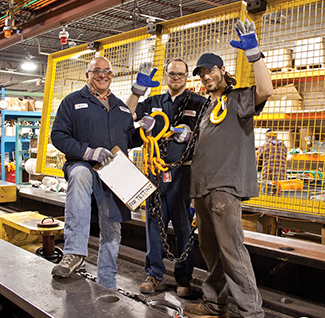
(150, 145)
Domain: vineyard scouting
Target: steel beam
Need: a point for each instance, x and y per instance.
(40, 295)
(53, 17)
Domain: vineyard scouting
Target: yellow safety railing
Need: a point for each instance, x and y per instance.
(291, 36)
(184, 37)
(292, 39)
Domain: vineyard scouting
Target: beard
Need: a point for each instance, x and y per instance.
(213, 89)
(216, 87)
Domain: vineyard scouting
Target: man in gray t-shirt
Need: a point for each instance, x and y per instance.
(223, 173)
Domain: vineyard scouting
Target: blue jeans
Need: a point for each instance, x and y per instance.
(77, 225)
(221, 239)
(175, 207)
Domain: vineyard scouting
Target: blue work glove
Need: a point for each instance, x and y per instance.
(101, 155)
(147, 123)
(144, 79)
(248, 40)
(183, 134)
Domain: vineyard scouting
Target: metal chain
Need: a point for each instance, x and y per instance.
(154, 210)
(195, 134)
(163, 143)
(181, 108)
(154, 206)
(179, 312)
(87, 276)
(193, 139)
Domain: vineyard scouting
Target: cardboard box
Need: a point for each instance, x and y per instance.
(278, 59)
(303, 139)
(24, 105)
(285, 99)
(38, 105)
(282, 106)
(13, 103)
(306, 138)
(293, 139)
(27, 105)
(33, 142)
(286, 92)
(305, 165)
(310, 52)
(250, 223)
(256, 223)
(31, 106)
(18, 104)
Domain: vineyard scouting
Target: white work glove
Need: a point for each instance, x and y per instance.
(248, 40)
(101, 155)
(147, 123)
(183, 134)
(144, 79)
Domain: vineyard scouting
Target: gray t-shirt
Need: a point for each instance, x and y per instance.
(224, 156)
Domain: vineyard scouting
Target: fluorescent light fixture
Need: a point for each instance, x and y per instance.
(28, 66)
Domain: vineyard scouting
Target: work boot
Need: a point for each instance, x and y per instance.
(197, 311)
(69, 263)
(149, 285)
(184, 288)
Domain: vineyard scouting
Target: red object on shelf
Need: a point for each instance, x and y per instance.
(11, 173)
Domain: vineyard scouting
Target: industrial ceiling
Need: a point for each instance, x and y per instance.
(40, 22)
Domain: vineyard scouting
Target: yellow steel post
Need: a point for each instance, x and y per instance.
(244, 69)
(159, 63)
(46, 114)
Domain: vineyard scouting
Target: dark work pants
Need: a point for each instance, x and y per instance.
(221, 239)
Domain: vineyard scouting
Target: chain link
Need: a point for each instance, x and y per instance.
(87, 276)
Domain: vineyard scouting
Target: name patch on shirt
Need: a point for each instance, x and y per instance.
(125, 109)
(190, 113)
(156, 109)
(81, 105)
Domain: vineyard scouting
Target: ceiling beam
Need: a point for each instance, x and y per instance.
(64, 12)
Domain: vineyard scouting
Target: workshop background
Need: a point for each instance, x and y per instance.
(291, 36)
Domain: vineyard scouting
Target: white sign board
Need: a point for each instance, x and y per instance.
(128, 183)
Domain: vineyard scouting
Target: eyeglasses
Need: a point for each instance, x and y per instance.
(174, 75)
(99, 72)
(207, 71)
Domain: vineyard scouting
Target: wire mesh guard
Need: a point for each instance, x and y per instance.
(289, 134)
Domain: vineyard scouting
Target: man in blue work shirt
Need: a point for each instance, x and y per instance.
(89, 123)
(182, 108)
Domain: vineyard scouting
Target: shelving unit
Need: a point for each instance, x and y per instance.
(295, 76)
(299, 115)
(298, 75)
(20, 153)
(11, 140)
